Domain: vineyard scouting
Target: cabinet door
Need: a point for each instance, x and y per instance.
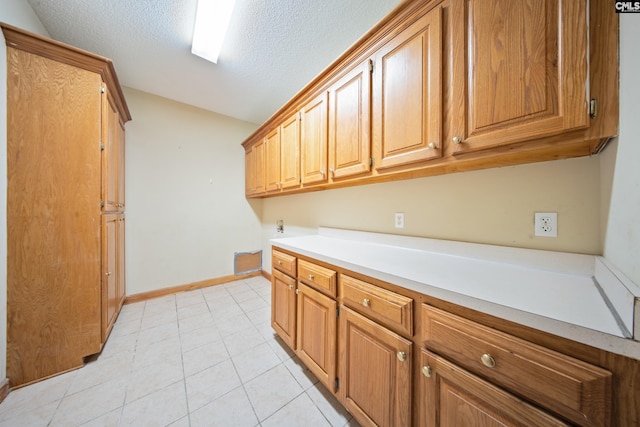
(283, 307)
(349, 121)
(313, 142)
(110, 303)
(375, 372)
(407, 95)
(272, 160)
(110, 153)
(259, 167)
(290, 152)
(121, 281)
(248, 172)
(519, 70)
(121, 163)
(453, 397)
(316, 334)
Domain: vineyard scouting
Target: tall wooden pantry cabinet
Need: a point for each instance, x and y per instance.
(65, 205)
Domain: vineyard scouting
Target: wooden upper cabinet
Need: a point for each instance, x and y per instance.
(272, 160)
(520, 70)
(290, 152)
(112, 155)
(258, 167)
(349, 123)
(407, 95)
(313, 143)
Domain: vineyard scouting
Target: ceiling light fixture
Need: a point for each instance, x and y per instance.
(212, 21)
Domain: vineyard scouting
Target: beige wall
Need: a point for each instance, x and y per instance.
(185, 206)
(494, 206)
(622, 238)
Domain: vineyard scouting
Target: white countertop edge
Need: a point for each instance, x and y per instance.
(623, 294)
(601, 340)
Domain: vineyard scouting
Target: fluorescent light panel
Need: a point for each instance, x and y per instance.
(212, 21)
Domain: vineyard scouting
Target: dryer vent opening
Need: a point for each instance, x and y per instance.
(247, 262)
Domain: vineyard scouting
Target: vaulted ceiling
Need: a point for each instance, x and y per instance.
(272, 50)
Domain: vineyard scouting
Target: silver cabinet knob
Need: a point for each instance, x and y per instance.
(311, 277)
(432, 145)
(402, 356)
(426, 371)
(488, 360)
(366, 302)
(456, 140)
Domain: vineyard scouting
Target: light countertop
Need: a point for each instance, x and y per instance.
(555, 292)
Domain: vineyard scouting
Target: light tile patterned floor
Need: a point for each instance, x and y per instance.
(201, 358)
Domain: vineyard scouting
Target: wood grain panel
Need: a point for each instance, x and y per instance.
(272, 160)
(407, 95)
(53, 221)
(313, 140)
(520, 70)
(376, 385)
(284, 262)
(290, 152)
(349, 123)
(317, 334)
(283, 307)
(318, 277)
(454, 397)
(109, 273)
(578, 391)
(393, 310)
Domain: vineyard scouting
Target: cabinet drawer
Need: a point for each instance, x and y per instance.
(569, 387)
(283, 262)
(320, 278)
(391, 309)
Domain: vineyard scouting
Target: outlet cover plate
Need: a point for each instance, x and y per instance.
(399, 220)
(546, 224)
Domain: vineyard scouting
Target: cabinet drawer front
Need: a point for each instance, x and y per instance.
(567, 386)
(283, 262)
(320, 278)
(460, 398)
(392, 309)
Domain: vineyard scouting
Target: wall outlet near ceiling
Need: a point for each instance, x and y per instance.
(546, 224)
(399, 220)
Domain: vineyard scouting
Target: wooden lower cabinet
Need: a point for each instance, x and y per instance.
(375, 372)
(283, 307)
(113, 282)
(453, 397)
(471, 370)
(316, 333)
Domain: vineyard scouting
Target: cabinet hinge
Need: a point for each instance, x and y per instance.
(337, 384)
(371, 65)
(338, 312)
(371, 161)
(593, 108)
(102, 89)
(101, 147)
(102, 203)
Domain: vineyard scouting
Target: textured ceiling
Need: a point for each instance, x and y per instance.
(272, 50)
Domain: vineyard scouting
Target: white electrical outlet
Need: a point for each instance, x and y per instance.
(546, 224)
(399, 220)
